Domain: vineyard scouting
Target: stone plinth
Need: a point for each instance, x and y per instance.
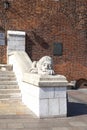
(16, 40)
(45, 95)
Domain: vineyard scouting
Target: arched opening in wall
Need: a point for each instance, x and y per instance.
(81, 83)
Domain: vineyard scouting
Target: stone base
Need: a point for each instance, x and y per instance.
(6, 67)
(45, 101)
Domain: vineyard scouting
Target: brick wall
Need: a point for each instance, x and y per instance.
(3, 54)
(49, 21)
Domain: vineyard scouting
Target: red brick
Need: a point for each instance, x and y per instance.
(47, 22)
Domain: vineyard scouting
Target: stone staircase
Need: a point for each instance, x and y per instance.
(9, 89)
(10, 94)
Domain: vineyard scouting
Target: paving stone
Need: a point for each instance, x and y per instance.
(15, 125)
(77, 123)
(61, 128)
(37, 125)
(3, 125)
(78, 128)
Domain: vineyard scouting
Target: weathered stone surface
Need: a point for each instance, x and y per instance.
(16, 40)
(45, 94)
(45, 101)
(45, 80)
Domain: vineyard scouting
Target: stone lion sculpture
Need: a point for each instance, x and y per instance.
(43, 66)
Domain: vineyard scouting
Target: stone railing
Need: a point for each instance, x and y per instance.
(21, 64)
(45, 95)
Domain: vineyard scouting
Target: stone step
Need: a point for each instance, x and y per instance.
(8, 91)
(12, 104)
(6, 72)
(7, 75)
(4, 78)
(10, 109)
(8, 83)
(6, 67)
(10, 96)
(10, 101)
(10, 86)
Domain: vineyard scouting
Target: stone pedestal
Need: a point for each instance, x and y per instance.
(45, 95)
(16, 40)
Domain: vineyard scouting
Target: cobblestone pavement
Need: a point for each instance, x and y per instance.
(21, 118)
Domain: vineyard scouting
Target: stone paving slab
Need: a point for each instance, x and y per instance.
(30, 123)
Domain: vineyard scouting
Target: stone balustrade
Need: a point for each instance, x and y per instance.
(45, 95)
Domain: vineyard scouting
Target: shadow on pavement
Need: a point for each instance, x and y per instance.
(76, 109)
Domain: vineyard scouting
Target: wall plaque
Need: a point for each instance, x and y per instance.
(2, 42)
(58, 49)
(2, 38)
